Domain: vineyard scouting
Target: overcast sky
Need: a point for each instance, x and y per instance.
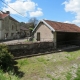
(56, 10)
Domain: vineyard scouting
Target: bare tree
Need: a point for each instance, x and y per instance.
(33, 20)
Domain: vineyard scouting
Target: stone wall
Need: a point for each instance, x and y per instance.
(30, 48)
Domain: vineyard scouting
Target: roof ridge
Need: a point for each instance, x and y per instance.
(58, 22)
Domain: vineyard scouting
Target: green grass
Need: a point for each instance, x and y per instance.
(56, 66)
(23, 62)
(8, 76)
(73, 55)
(77, 74)
(68, 76)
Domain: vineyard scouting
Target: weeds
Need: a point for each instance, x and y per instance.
(49, 76)
(41, 59)
(77, 74)
(68, 76)
(23, 62)
(8, 76)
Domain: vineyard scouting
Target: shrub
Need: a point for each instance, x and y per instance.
(6, 59)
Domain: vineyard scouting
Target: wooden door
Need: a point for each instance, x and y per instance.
(38, 36)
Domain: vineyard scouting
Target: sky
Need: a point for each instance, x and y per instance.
(67, 11)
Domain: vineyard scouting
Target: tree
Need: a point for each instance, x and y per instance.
(33, 20)
(6, 58)
(22, 23)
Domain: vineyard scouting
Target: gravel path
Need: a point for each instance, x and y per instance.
(14, 41)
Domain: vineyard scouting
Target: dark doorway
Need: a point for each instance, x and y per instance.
(38, 36)
(68, 39)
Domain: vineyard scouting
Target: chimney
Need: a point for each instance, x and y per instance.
(7, 12)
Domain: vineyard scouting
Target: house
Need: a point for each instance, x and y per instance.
(24, 32)
(26, 29)
(9, 27)
(58, 32)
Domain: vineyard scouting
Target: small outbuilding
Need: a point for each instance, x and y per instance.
(62, 34)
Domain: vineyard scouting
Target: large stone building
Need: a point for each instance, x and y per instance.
(9, 27)
(58, 32)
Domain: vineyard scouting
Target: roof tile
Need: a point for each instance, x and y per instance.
(63, 27)
(2, 16)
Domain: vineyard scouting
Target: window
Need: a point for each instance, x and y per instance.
(12, 34)
(6, 35)
(12, 27)
(16, 28)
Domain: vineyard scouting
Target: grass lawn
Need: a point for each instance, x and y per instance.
(54, 66)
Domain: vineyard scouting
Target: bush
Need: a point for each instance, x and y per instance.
(6, 59)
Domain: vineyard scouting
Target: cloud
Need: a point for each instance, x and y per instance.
(36, 13)
(7, 1)
(73, 6)
(24, 7)
(67, 22)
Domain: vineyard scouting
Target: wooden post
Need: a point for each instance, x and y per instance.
(55, 44)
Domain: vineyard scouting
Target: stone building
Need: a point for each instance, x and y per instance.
(60, 33)
(9, 27)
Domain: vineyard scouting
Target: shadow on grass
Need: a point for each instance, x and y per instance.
(16, 70)
(72, 49)
(13, 69)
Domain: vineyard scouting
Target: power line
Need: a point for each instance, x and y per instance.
(13, 9)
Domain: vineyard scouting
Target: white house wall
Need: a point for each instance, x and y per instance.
(45, 33)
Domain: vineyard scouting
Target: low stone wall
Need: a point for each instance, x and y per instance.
(30, 48)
